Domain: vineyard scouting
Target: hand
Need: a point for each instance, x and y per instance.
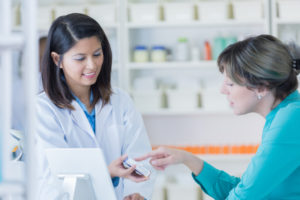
(135, 196)
(116, 169)
(163, 156)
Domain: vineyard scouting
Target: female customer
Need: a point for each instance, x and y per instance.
(260, 75)
(79, 109)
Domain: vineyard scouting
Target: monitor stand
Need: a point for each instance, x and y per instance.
(78, 186)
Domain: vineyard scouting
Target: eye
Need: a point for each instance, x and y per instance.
(79, 58)
(97, 54)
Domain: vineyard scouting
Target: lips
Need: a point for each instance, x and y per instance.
(89, 75)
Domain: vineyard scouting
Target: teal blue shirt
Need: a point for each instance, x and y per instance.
(91, 118)
(274, 171)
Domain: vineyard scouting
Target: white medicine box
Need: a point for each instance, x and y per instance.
(179, 12)
(144, 12)
(249, 10)
(182, 100)
(44, 19)
(209, 10)
(146, 101)
(67, 9)
(105, 14)
(289, 9)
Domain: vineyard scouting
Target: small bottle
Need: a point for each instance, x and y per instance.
(140, 54)
(195, 54)
(158, 54)
(207, 51)
(182, 49)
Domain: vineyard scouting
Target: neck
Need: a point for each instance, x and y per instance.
(83, 94)
(267, 104)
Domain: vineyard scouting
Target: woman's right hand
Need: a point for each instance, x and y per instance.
(163, 157)
(116, 169)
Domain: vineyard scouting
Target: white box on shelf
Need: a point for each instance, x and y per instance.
(179, 191)
(67, 9)
(289, 9)
(182, 99)
(213, 10)
(45, 18)
(213, 100)
(103, 13)
(144, 12)
(147, 100)
(179, 12)
(247, 9)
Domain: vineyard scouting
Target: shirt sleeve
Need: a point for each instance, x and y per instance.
(276, 159)
(136, 144)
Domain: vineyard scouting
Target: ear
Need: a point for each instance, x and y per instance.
(262, 91)
(55, 58)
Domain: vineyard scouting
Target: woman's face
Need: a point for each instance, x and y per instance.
(241, 99)
(82, 63)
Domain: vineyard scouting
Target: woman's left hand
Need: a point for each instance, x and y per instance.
(135, 196)
(116, 169)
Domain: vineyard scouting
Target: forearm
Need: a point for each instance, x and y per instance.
(194, 163)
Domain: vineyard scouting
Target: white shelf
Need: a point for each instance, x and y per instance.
(11, 188)
(173, 65)
(226, 158)
(12, 41)
(162, 24)
(168, 112)
(286, 21)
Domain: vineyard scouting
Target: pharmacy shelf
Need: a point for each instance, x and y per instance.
(11, 41)
(226, 157)
(173, 65)
(9, 188)
(286, 21)
(199, 111)
(226, 23)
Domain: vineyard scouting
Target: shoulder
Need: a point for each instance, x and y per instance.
(120, 97)
(44, 104)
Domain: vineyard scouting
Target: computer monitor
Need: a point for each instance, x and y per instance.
(86, 165)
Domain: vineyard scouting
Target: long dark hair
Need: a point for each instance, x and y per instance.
(64, 33)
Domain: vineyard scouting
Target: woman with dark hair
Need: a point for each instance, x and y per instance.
(79, 108)
(260, 76)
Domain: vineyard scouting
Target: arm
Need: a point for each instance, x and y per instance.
(136, 143)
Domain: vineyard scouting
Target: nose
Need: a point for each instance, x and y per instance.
(91, 63)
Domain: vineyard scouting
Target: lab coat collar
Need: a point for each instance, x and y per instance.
(101, 116)
(80, 119)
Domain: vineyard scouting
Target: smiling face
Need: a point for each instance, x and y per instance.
(241, 99)
(82, 63)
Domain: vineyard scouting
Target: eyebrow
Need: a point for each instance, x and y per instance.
(82, 54)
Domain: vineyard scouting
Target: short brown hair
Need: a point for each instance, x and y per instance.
(261, 61)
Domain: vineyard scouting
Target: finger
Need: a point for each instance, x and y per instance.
(138, 179)
(161, 162)
(155, 153)
(129, 171)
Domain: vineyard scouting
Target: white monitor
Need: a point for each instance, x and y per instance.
(84, 164)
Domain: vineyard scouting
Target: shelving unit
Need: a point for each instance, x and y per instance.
(285, 25)
(166, 33)
(20, 184)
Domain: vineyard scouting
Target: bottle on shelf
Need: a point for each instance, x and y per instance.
(140, 54)
(182, 49)
(158, 54)
(207, 51)
(219, 44)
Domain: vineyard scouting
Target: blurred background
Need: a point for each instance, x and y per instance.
(164, 56)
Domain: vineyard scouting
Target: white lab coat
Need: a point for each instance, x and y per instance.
(119, 130)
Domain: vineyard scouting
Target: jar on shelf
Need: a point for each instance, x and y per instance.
(140, 54)
(182, 49)
(158, 54)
